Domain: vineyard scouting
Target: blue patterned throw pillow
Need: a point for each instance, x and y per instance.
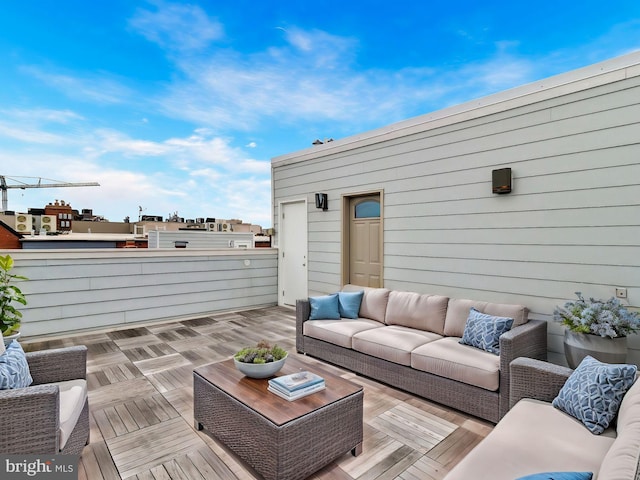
(349, 303)
(559, 476)
(14, 369)
(594, 391)
(483, 331)
(324, 307)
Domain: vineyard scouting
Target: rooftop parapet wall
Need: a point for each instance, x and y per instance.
(71, 291)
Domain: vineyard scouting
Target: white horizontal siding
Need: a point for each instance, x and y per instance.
(69, 291)
(572, 222)
(196, 239)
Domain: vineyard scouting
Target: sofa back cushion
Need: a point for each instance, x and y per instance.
(374, 301)
(458, 313)
(622, 458)
(422, 312)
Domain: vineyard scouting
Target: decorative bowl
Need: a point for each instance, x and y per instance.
(260, 370)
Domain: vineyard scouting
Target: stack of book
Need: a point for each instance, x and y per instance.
(297, 385)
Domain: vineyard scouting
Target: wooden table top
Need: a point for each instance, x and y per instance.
(254, 394)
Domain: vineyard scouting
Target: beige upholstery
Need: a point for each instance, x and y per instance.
(622, 459)
(470, 365)
(374, 301)
(2, 347)
(73, 394)
(524, 443)
(422, 312)
(458, 312)
(393, 343)
(338, 332)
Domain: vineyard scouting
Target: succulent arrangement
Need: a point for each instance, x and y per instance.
(263, 352)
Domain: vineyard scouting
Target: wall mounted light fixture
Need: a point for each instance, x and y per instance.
(322, 201)
(501, 180)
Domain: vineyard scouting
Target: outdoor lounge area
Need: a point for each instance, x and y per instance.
(141, 406)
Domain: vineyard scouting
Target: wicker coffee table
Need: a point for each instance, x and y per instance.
(278, 438)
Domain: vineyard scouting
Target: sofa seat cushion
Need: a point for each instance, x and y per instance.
(534, 437)
(422, 312)
(393, 343)
(73, 395)
(450, 359)
(338, 332)
(623, 456)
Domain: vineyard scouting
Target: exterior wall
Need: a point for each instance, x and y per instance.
(572, 222)
(9, 238)
(86, 226)
(69, 244)
(70, 291)
(196, 239)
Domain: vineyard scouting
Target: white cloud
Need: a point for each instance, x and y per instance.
(177, 27)
(101, 88)
(42, 115)
(29, 135)
(312, 79)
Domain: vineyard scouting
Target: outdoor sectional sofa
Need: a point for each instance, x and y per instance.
(536, 437)
(411, 341)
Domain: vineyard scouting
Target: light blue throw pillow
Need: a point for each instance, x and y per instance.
(483, 331)
(324, 307)
(559, 476)
(594, 391)
(349, 303)
(14, 369)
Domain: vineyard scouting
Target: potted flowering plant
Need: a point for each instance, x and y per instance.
(596, 327)
(10, 317)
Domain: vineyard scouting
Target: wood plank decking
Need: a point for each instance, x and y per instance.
(141, 404)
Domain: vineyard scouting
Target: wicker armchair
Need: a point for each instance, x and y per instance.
(30, 417)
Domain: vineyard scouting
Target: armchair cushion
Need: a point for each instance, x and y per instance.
(73, 395)
(14, 369)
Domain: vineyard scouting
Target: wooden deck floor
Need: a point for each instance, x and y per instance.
(141, 403)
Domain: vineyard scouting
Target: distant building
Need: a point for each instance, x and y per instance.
(9, 238)
(58, 225)
(63, 213)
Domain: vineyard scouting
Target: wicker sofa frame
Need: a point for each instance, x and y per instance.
(30, 416)
(528, 340)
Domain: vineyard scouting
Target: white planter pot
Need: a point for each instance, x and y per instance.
(10, 338)
(579, 345)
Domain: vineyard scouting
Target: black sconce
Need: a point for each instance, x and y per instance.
(501, 180)
(322, 201)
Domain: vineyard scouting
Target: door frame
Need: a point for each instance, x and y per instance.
(280, 244)
(345, 234)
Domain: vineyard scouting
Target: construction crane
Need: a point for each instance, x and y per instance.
(22, 185)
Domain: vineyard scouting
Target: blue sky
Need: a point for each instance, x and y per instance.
(180, 106)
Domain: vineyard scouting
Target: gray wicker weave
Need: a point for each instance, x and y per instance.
(29, 417)
(289, 451)
(528, 340)
(531, 378)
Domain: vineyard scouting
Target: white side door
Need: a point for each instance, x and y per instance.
(292, 252)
